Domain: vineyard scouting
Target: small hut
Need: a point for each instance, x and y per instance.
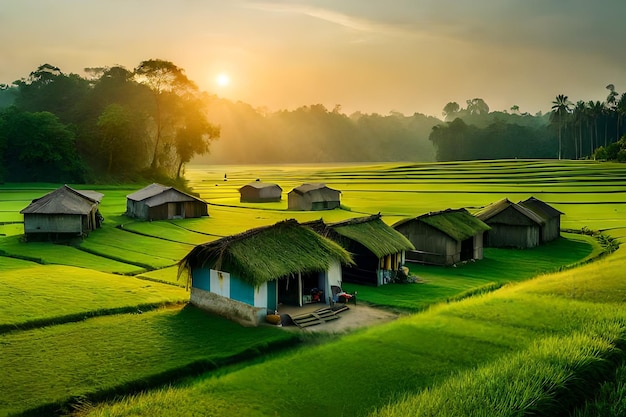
(160, 202)
(63, 212)
(551, 217)
(377, 249)
(313, 197)
(444, 237)
(260, 192)
(243, 276)
(512, 225)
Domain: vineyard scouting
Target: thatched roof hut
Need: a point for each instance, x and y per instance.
(512, 225)
(551, 228)
(378, 250)
(64, 211)
(244, 275)
(260, 192)
(444, 237)
(160, 202)
(313, 196)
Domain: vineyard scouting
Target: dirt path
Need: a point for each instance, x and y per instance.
(357, 316)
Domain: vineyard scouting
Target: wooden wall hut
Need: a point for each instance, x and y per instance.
(313, 197)
(551, 217)
(444, 238)
(160, 202)
(243, 276)
(260, 192)
(63, 212)
(377, 249)
(512, 225)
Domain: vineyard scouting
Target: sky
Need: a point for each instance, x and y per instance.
(407, 56)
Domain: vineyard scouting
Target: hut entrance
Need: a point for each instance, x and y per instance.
(305, 288)
(467, 249)
(175, 211)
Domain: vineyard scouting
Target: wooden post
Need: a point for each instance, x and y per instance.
(300, 289)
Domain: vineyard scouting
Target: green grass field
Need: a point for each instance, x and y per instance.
(411, 358)
(35, 295)
(519, 347)
(119, 353)
(499, 267)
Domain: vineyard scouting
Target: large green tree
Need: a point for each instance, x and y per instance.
(450, 110)
(194, 135)
(38, 148)
(49, 89)
(121, 129)
(169, 86)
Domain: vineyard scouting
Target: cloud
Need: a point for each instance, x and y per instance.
(349, 21)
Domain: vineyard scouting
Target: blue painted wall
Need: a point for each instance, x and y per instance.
(201, 279)
(241, 291)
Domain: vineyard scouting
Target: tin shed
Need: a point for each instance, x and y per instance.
(512, 225)
(160, 202)
(63, 212)
(260, 192)
(551, 228)
(313, 197)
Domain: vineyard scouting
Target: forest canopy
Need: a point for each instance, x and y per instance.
(115, 124)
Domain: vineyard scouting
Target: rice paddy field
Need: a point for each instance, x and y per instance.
(520, 332)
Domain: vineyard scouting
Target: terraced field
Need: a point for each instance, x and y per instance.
(98, 288)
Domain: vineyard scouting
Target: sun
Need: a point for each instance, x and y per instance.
(222, 80)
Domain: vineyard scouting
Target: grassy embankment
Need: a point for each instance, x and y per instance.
(385, 188)
(43, 369)
(499, 267)
(528, 347)
(437, 345)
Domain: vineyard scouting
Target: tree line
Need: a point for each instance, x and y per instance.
(113, 124)
(588, 129)
(314, 134)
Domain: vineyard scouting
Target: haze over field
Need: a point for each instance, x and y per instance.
(404, 55)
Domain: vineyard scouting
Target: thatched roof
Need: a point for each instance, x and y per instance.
(371, 232)
(64, 200)
(157, 194)
(266, 253)
(542, 209)
(458, 224)
(497, 207)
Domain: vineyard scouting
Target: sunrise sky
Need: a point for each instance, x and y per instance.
(374, 56)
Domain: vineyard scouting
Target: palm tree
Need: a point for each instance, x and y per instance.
(579, 115)
(560, 108)
(595, 111)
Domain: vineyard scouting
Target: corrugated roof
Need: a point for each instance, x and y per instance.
(147, 192)
(64, 200)
(541, 208)
(380, 238)
(266, 253)
(308, 187)
(151, 194)
(260, 185)
(497, 207)
(458, 224)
